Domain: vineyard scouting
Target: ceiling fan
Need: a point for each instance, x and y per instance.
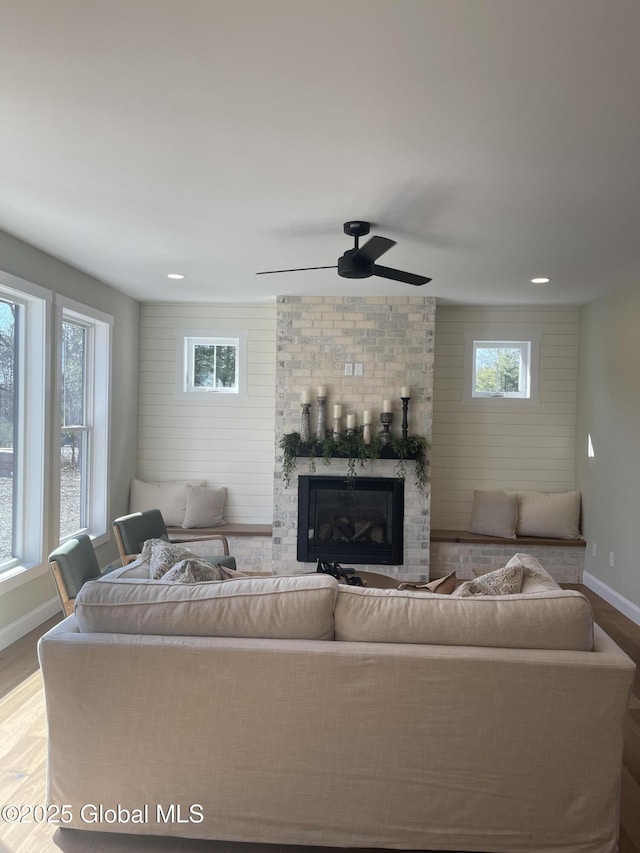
(360, 262)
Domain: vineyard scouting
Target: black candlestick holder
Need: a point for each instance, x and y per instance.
(405, 417)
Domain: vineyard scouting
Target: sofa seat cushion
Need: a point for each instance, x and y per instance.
(270, 608)
(560, 619)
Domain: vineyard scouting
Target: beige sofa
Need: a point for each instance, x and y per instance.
(294, 710)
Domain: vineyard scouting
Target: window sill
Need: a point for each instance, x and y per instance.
(500, 401)
(17, 576)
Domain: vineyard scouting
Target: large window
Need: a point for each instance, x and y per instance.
(84, 374)
(8, 424)
(46, 498)
(75, 434)
(24, 382)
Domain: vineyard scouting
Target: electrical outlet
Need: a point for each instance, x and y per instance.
(348, 368)
(594, 550)
(359, 369)
(611, 558)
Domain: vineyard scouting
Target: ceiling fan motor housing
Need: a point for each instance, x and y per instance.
(354, 267)
(356, 228)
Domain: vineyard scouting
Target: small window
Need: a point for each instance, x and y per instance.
(501, 369)
(212, 365)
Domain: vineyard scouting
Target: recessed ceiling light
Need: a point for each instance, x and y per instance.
(541, 280)
(175, 275)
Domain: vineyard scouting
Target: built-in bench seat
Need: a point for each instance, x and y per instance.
(466, 553)
(229, 529)
(250, 544)
(479, 538)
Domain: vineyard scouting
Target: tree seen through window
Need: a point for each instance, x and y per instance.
(498, 370)
(214, 366)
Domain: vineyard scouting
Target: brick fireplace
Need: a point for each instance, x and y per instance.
(392, 338)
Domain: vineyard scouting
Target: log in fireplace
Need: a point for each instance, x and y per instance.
(351, 520)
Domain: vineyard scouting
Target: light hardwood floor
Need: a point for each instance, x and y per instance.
(23, 754)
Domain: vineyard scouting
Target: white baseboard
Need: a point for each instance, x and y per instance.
(626, 607)
(27, 623)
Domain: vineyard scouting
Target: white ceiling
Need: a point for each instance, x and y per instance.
(496, 140)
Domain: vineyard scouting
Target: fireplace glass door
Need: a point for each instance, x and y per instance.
(351, 520)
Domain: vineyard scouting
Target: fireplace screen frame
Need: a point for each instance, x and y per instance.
(390, 553)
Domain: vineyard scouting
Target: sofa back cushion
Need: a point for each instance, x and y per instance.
(543, 620)
(270, 608)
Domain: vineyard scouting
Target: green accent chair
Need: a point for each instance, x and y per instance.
(72, 564)
(132, 531)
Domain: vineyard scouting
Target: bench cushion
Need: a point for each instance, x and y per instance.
(551, 514)
(269, 608)
(170, 498)
(205, 506)
(494, 513)
(558, 619)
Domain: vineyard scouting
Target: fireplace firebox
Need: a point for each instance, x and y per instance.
(357, 520)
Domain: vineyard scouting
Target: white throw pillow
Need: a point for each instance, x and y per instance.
(555, 515)
(536, 578)
(494, 514)
(205, 506)
(170, 498)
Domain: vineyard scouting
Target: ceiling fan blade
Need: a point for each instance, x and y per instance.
(373, 248)
(298, 269)
(398, 275)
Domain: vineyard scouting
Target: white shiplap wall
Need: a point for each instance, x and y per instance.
(226, 444)
(482, 446)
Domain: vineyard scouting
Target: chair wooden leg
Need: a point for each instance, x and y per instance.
(68, 604)
(124, 557)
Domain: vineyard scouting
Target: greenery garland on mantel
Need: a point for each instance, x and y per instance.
(353, 448)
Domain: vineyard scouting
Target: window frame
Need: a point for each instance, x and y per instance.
(31, 518)
(487, 337)
(97, 426)
(186, 340)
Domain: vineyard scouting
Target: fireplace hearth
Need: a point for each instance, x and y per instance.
(351, 520)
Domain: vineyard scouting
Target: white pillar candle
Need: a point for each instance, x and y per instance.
(322, 390)
(305, 397)
(366, 416)
(337, 410)
(386, 406)
(406, 392)
(351, 421)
